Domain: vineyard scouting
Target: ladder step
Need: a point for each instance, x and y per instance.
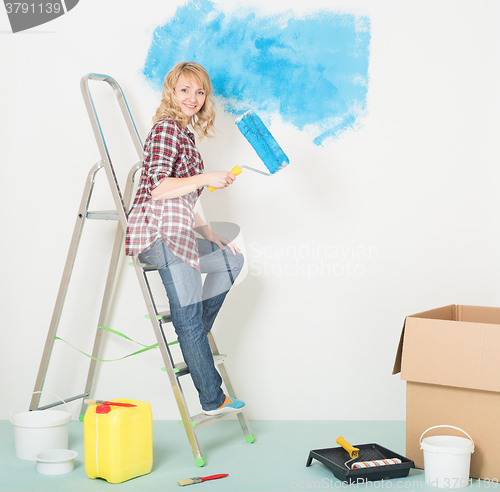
(163, 317)
(166, 317)
(145, 267)
(201, 420)
(67, 400)
(181, 368)
(103, 215)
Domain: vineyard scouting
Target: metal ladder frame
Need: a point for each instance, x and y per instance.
(122, 204)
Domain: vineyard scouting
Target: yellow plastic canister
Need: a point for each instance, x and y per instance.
(118, 444)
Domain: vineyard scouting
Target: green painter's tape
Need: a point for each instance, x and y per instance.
(122, 335)
(145, 349)
(109, 360)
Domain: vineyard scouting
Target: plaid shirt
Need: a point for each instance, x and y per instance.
(169, 151)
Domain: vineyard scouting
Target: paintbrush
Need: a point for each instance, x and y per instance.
(104, 402)
(189, 481)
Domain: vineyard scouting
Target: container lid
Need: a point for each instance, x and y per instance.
(447, 444)
(41, 418)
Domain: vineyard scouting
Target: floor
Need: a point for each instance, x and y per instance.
(275, 462)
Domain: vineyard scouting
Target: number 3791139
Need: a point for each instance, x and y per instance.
(33, 8)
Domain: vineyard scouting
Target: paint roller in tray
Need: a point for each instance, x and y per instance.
(260, 138)
(354, 454)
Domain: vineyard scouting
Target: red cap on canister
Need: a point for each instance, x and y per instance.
(103, 409)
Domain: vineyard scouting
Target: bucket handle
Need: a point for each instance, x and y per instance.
(449, 426)
(32, 393)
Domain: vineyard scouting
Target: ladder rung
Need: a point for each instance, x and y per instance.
(145, 267)
(67, 400)
(181, 368)
(201, 420)
(103, 215)
(164, 317)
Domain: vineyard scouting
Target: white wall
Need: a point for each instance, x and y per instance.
(415, 189)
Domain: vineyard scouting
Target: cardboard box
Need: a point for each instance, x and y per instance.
(450, 358)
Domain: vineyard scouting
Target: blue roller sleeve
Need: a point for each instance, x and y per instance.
(259, 137)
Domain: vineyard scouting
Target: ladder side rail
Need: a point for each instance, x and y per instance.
(213, 345)
(99, 136)
(167, 359)
(245, 425)
(63, 287)
(156, 321)
(102, 320)
(122, 101)
(129, 120)
(109, 288)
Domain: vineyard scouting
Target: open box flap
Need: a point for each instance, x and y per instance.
(461, 354)
(436, 348)
(446, 312)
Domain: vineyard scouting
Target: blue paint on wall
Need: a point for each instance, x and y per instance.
(311, 70)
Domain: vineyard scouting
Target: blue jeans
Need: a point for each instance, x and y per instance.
(194, 306)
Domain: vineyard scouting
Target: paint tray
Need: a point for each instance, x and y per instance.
(335, 459)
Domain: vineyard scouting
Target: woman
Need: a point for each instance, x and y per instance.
(162, 221)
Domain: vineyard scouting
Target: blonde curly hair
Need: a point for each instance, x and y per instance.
(203, 121)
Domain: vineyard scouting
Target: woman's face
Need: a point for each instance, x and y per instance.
(190, 96)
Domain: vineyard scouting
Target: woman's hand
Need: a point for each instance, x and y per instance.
(206, 233)
(221, 241)
(219, 179)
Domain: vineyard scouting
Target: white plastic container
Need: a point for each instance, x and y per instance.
(40, 430)
(447, 459)
(55, 461)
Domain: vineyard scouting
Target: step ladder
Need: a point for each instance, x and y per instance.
(158, 319)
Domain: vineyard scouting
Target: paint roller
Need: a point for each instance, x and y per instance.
(260, 138)
(354, 454)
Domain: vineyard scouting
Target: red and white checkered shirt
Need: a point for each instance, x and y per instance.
(169, 151)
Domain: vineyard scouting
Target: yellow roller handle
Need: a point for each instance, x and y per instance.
(236, 170)
(353, 452)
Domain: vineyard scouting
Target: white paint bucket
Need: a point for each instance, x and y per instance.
(447, 459)
(55, 461)
(39, 430)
